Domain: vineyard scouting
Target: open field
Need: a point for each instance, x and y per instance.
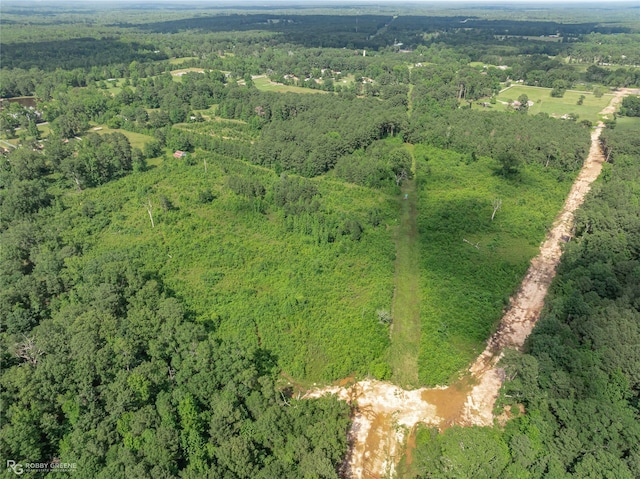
(178, 61)
(545, 103)
(628, 123)
(177, 74)
(116, 85)
(44, 130)
(264, 84)
(225, 129)
(137, 140)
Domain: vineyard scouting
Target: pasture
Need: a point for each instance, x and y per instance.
(264, 84)
(543, 102)
(137, 140)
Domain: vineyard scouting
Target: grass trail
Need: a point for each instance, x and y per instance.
(405, 332)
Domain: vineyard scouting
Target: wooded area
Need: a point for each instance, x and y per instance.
(189, 242)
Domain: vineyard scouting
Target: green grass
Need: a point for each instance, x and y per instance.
(264, 84)
(405, 332)
(115, 86)
(465, 288)
(137, 140)
(628, 123)
(44, 130)
(545, 103)
(178, 61)
(6, 143)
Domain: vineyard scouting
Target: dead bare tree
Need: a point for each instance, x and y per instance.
(476, 245)
(205, 164)
(401, 176)
(497, 204)
(75, 178)
(28, 350)
(149, 210)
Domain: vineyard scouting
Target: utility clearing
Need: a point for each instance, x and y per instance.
(405, 329)
(385, 414)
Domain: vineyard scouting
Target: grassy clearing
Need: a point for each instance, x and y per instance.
(177, 74)
(137, 140)
(545, 103)
(115, 86)
(264, 84)
(44, 130)
(8, 143)
(178, 61)
(405, 333)
(628, 123)
(464, 287)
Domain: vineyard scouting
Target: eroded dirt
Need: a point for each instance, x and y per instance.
(384, 414)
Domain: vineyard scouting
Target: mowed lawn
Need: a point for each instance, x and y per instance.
(264, 84)
(628, 123)
(545, 103)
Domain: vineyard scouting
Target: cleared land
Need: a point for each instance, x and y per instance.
(382, 407)
(264, 84)
(545, 103)
(405, 331)
(628, 123)
(178, 61)
(137, 140)
(469, 264)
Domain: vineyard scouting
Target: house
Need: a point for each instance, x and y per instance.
(179, 154)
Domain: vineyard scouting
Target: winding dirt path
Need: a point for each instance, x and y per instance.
(385, 413)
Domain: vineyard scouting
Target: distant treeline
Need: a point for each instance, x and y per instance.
(364, 31)
(76, 53)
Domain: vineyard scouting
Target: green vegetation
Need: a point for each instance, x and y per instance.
(471, 264)
(630, 106)
(232, 272)
(578, 379)
(162, 311)
(627, 123)
(405, 334)
(137, 140)
(265, 84)
(543, 102)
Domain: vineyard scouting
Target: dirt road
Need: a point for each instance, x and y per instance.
(385, 413)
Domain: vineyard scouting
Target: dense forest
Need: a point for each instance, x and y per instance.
(200, 215)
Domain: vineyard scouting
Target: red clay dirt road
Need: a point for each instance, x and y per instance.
(384, 413)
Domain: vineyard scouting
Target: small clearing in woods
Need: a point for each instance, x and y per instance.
(384, 413)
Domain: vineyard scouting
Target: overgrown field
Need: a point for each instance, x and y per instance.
(470, 264)
(305, 285)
